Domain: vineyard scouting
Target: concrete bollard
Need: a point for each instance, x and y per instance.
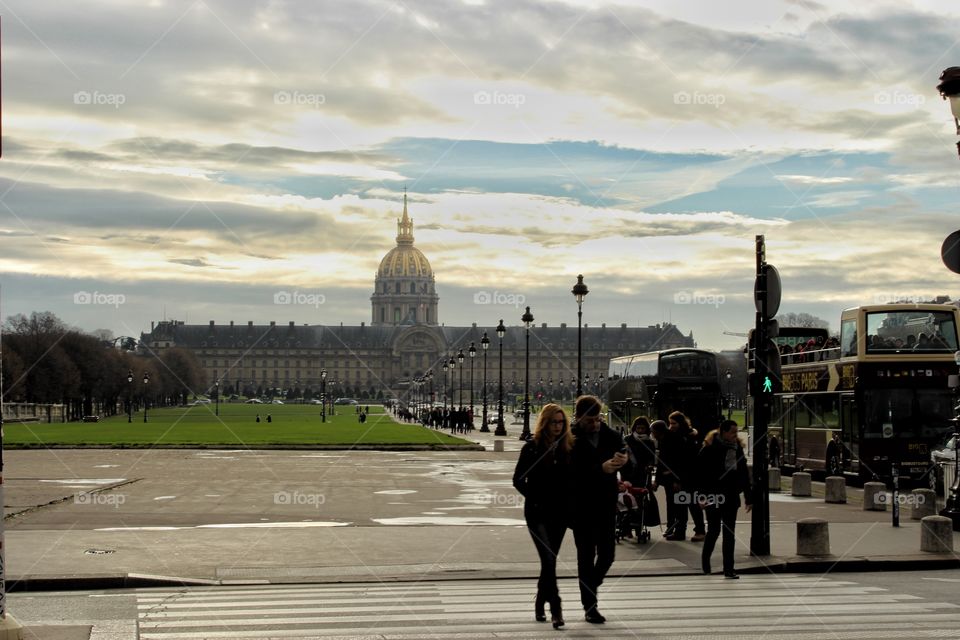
(813, 537)
(924, 504)
(773, 479)
(874, 496)
(800, 485)
(498, 445)
(936, 534)
(835, 490)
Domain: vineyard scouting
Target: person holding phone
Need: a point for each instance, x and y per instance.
(597, 456)
(542, 476)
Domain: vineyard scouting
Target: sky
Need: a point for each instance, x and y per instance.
(189, 160)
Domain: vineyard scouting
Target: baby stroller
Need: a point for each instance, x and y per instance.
(632, 507)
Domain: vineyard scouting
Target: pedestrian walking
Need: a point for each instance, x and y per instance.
(543, 476)
(598, 453)
(687, 449)
(723, 476)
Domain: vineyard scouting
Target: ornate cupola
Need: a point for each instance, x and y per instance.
(404, 288)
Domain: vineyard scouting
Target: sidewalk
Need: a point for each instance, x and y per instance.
(168, 532)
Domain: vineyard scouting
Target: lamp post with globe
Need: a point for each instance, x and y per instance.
(527, 320)
(500, 430)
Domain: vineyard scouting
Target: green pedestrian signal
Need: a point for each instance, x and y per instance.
(767, 384)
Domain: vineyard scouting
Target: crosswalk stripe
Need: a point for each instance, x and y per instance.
(768, 607)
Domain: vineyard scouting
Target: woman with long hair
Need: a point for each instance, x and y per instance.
(543, 477)
(723, 477)
(688, 444)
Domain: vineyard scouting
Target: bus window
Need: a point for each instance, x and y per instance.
(848, 338)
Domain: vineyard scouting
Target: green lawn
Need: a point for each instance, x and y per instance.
(298, 425)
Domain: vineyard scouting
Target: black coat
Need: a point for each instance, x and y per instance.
(643, 456)
(714, 479)
(594, 491)
(677, 456)
(544, 479)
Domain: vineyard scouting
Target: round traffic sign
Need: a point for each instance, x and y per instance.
(772, 294)
(950, 252)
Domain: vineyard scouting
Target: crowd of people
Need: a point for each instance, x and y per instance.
(571, 472)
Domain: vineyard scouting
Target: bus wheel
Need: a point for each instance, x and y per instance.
(832, 465)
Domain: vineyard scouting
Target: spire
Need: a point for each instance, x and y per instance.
(405, 224)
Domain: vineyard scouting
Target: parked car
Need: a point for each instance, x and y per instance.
(277, 402)
(345, 401)
(253, 401)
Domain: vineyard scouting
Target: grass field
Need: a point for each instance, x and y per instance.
(236, 426)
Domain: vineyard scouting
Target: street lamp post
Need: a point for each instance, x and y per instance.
(484, 344)
(500, 430)
(460, 358)
(146, 380)
(446, 381)
(579, 292)
(453, 367)
(323, 395)
(729, 376)
(586, 382)
(949, 89)
(129, 395)
(600, 386)
(527, 319)
(472, 351)
(216, 400)
(550, 390)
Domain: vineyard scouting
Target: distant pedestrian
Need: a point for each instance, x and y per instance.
(269, 418)
(258, 417)
(774, 448)
(723, 476)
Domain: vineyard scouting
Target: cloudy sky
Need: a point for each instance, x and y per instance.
(190, 159)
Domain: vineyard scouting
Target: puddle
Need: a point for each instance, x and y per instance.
(451, 521)
(237, 525)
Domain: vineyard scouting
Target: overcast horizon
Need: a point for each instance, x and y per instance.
(194, 160)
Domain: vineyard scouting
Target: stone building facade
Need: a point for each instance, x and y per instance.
(403, 342)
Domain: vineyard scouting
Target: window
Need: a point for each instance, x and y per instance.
(413, 287)
(848, 338)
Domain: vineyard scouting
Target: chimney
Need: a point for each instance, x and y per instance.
(623, 325)
(231, 324)
(273, 323)
(543, 325)
(250, 324)
(563, 325)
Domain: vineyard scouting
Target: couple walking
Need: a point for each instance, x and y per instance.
(568, 477)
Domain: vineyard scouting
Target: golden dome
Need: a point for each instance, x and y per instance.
(404, 261)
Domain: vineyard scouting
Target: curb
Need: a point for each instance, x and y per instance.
(821, 565)
(468, 446)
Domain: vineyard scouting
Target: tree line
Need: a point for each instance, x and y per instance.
(46, 362)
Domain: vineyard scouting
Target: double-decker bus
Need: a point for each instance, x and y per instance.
(878, 397)
(657, 383)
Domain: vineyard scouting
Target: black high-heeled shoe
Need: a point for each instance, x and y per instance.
(556, 614)
(538, 608)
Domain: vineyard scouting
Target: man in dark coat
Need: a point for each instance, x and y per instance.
(596, 458)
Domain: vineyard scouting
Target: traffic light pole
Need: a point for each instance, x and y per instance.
(760, 524)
